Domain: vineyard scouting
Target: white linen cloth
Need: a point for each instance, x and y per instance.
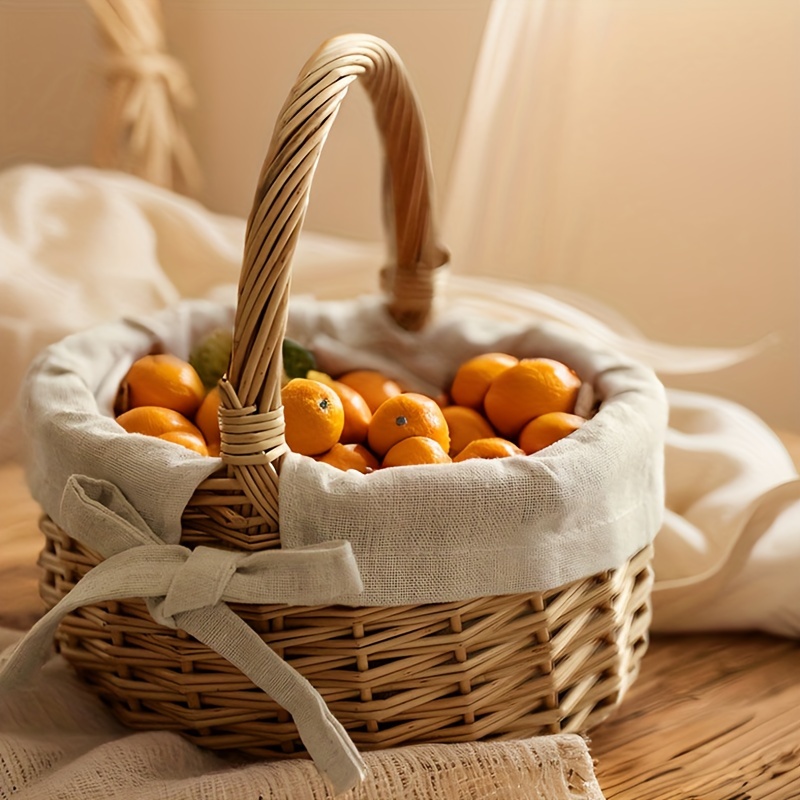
(474, 529)
(418, 535)
(481, 527)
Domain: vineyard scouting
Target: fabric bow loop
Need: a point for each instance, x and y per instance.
(199, 582)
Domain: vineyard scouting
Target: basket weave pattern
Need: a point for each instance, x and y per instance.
(491, 667)
(507, 667)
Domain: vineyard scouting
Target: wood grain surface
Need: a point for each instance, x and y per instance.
(711, 716)
(20, 542)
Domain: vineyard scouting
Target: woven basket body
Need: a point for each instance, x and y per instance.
(508, 666)
(492, 667)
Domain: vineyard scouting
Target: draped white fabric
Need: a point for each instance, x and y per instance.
(108, 246)
(505, 167)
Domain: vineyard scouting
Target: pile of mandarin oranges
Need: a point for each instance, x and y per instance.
(496, 405)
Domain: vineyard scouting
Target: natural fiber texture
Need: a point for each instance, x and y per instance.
(469, 669)
(581, 641)
(254, 375)
(585, 504)
(499, 647)
(141, 131)
(58, 741)
(420, 535)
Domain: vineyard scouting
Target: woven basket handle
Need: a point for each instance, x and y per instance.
(282, 195)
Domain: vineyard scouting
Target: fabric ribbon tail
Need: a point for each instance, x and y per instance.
(165, 576)
(31, 652)
(324, 736)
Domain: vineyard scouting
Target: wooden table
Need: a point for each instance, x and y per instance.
(711, 717)
(20, 542)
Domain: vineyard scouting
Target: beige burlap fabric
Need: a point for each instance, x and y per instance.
(58, 742)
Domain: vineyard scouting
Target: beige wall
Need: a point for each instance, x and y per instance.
(244, 57)
(689, 183)
(50, 84)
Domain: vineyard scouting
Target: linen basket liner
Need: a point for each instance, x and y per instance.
(419, 535)
(409, 535)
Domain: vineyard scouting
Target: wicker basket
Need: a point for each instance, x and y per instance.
(492, 667)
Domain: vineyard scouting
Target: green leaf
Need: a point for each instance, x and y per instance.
(297, 360)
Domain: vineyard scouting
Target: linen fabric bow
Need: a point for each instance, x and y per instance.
(190, 589)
